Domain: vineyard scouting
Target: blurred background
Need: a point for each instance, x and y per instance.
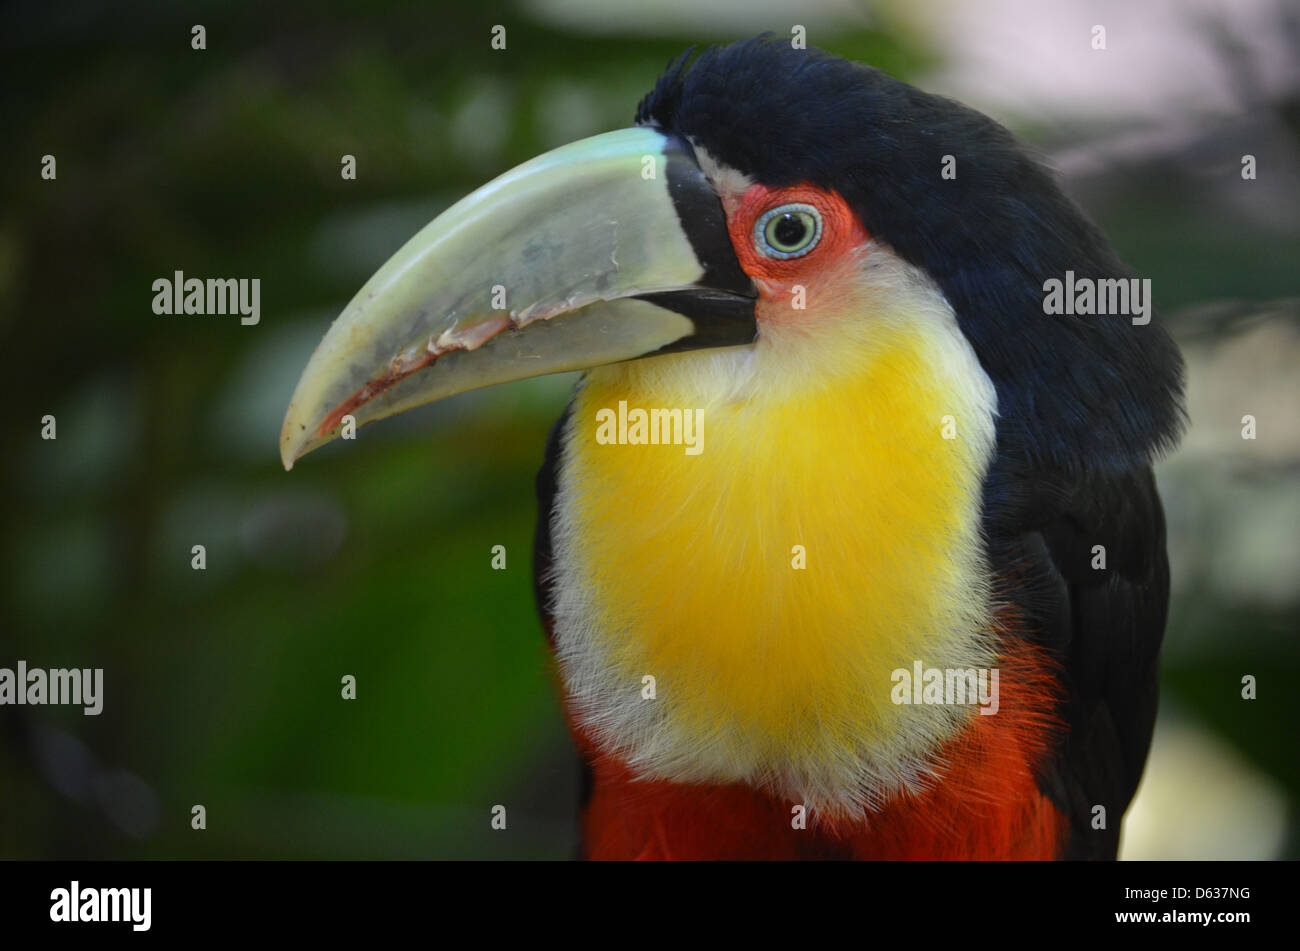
(223, 685)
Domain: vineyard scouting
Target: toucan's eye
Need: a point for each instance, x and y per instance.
(788, 231)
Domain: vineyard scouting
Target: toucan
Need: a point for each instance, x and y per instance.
(848, 545)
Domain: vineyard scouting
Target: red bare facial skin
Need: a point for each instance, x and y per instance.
(821, 273)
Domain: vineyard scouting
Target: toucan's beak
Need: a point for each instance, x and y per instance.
(608, 249)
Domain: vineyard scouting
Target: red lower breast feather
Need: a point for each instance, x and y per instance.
(987, 805)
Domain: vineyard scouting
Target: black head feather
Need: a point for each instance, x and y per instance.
(1074, 393)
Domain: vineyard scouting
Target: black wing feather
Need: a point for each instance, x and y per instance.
(1103, 625)
(547, 480)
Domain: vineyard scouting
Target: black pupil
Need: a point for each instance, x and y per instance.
(790, 230)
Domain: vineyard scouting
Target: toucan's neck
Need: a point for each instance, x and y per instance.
(826, 535)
